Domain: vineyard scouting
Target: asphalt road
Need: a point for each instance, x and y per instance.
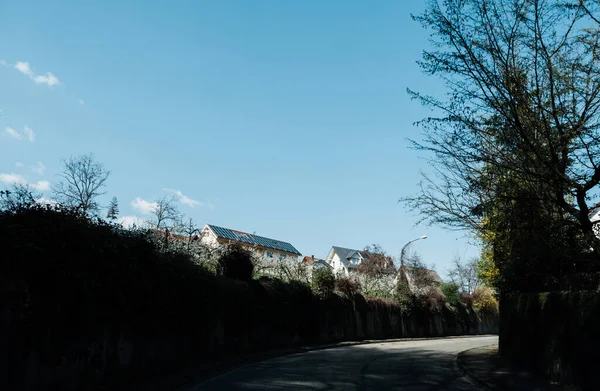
(408, 365)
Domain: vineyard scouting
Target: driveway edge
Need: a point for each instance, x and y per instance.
(473, 379)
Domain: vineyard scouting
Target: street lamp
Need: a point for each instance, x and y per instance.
(399, 279)
(402, 253)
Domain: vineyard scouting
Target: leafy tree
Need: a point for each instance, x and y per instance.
(82, 182)
(450, 290)
(483, 299)
(323, 281)
(515, 145)
(235, 261)
(113, 209)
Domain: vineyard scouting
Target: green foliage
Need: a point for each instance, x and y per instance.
(450, 290)
(323, 281)
(113, 209)
(235, 261)
(347, 286)
(404, 296)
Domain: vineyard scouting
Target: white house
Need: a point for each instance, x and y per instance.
(343, 260)
(594, 216)
(267, 250)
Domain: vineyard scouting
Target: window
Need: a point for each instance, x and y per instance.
(269, 254)
(281, 257)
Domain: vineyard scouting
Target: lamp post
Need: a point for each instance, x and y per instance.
(402, 253)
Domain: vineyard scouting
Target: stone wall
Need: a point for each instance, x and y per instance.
(251, 317)
(553, 334)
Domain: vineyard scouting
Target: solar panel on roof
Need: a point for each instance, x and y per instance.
(253, 239)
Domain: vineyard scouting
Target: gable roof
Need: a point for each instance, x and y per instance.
(255, 240)
(344, 253)
(426, 274)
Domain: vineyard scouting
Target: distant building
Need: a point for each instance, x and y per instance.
(345, 260)
(267, 250)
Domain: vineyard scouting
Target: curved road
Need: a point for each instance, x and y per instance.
(406, 365)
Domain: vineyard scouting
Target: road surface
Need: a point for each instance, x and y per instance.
(408, 365)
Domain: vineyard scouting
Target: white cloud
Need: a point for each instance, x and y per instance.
(13, 133)
(184, 199)
(24, 68)
(41, 185)
(19, 164)
(130, 221)
(144, 206)
(2, 62)
(27, 133)
(39, 168)
(11, 178)
(45, 201)
(48, 79)
(81, 102)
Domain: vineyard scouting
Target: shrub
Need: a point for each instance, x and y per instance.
(347, 286)
(466, 299)
(432, 298)
(404, 296)
(450, 290)
(483, 299)
(323, 281)
(235, 261)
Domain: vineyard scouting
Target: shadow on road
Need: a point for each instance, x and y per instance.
(366, 367)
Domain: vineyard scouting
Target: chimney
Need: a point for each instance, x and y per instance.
(312, 258)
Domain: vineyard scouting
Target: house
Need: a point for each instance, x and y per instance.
(346, 260)
(310, 260)
(267, 250)
(594, 216)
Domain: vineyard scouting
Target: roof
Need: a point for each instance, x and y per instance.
(310, 259)
(255, 240)
(321, 263)
(593, 208)
(344, 253)
(428, 274)
(347, 254)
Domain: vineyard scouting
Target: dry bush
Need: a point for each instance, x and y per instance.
(483, 299)
(347, 286)
(433, 299)
(466, 299)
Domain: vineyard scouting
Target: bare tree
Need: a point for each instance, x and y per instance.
(82, 182)
(165, 214)
(419, 276)
(19, 194)
(464, 274)
(522, 114)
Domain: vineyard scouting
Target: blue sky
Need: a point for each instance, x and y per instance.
(284, 118)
